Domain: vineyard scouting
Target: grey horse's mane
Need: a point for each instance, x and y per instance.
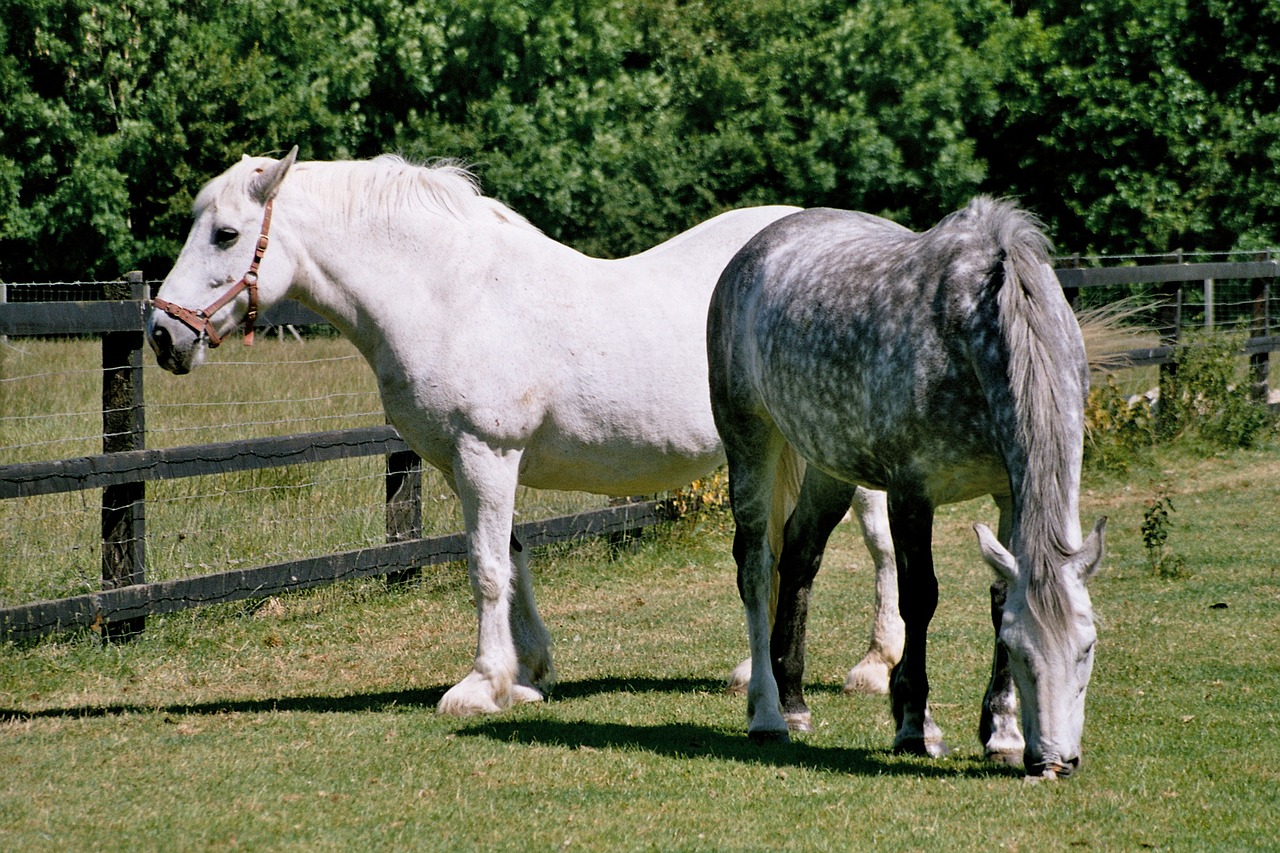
(1048, 375)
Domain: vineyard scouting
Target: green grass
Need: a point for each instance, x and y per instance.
(307, 722)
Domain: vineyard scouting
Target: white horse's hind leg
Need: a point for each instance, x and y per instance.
(486, 485)
(739, 678)
(871, 674)
(532, 639)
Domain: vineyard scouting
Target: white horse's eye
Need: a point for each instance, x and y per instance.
(225, 237)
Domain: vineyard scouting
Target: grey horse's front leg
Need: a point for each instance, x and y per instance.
(911, 519)
(998, 730)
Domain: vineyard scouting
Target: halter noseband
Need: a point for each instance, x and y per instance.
(201, 322)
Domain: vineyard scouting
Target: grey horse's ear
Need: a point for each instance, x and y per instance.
(267, 183)
(996, 555)
(1089, 557)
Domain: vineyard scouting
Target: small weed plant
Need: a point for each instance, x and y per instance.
(1117, 431)
(1156, 525)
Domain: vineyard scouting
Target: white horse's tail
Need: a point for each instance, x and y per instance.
(787, 480)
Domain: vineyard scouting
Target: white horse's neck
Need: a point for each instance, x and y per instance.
(375, 275)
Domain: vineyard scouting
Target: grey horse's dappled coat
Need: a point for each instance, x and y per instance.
(937, 366)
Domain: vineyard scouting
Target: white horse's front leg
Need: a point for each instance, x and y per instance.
(888, 632)
(486, 485)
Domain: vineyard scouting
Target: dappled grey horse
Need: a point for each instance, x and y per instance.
(938, 367)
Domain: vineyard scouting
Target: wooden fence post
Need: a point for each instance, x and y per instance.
(1260, 327)
(404, 506)
(1169, 322)
(1072, 294)
(123, 428)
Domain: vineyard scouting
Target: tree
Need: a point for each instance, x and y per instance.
(1134, 125)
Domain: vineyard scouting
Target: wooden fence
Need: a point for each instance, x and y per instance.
(125, 466)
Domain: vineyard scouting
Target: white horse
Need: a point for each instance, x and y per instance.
(502, 356)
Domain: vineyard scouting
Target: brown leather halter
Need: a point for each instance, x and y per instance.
(201, 322)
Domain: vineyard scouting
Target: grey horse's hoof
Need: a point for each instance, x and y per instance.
(921, 747)
(1004, 759)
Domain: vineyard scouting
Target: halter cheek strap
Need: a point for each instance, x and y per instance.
(201, 321)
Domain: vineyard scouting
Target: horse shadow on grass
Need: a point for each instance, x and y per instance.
(426, 698)
(674, 740)
(687, 740)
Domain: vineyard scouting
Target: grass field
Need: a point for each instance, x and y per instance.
(307, 721)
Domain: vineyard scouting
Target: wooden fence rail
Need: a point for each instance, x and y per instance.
(126, 465)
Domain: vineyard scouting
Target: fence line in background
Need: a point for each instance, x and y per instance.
(126, 465)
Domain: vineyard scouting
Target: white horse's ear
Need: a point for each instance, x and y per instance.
(267, 183)
(1089, 557)
(996, 555)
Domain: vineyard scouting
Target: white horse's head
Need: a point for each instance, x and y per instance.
(1050, 649)
(225, 274)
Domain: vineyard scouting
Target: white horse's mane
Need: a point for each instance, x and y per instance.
(390, 183)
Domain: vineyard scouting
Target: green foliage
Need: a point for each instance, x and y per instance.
(1117, 432)
(1206, 400)
(1204, 403)
(1136, 125)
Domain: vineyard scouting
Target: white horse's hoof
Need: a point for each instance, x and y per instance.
(521, 693)
(799, 721)
(869, 678)
(738, 679)
(473, 696)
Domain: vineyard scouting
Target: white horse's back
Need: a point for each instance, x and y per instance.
(613, 379)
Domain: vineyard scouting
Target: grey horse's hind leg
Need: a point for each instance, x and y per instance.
(753, 461)
(911, 519)
(823, 502)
